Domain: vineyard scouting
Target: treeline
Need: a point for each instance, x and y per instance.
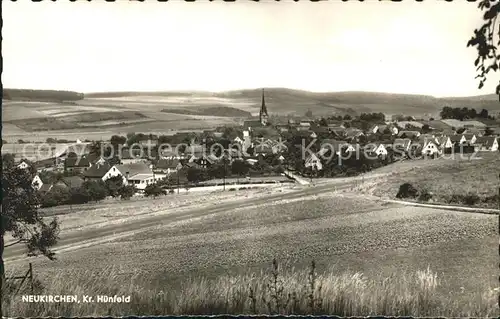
(89, 191)
(464, 113)
(41, 95)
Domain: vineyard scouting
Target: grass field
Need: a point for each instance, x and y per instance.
(205, 257)
(443, 177)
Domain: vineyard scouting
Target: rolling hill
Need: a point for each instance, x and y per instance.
(167, 111)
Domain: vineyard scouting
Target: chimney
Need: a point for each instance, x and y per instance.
(127, 175)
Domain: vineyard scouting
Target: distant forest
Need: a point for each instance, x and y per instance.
(41, 95)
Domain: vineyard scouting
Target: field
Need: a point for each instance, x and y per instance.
(443, 177)
(165, 112)
(343, 233)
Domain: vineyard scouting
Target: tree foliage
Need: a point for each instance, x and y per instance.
(114, 185)
(485, 40)
(20, 216)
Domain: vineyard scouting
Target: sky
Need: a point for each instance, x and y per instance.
(406, 47)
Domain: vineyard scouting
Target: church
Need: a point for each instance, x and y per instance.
(263, 117)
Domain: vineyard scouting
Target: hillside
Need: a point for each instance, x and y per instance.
(27, 111)
(289, 101)
(41, 95)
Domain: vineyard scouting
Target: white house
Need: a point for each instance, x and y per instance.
(139, 174)
(238, 140)
(23, 165)
(446, 142)
(37, 182)
(313, 162)
(377, 148)
(430, 148)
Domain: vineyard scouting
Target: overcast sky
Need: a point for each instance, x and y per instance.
(407, 47)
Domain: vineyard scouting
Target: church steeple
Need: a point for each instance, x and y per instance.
(263, 116)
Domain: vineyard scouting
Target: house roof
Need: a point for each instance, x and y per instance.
(97, 170)
(456, 138)
(167, 164)
(486, 140)
(468, 136)
(372, 147)
(133, 168)
(141, 176)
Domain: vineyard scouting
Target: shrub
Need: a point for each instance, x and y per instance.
(407, 190)
(57, 196)
(471, 199)
(424, 195)
(126, 192)
(154, 190)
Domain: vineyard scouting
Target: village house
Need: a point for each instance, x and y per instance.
(313, 162)
(77, 164)
(469, 138)
(487, 143)
(23, 165)
(376, 148)
(96, 172)
(166, 166)
(430, 148)
(37, 182)
(445, 142)
(129, 171)
(335, 146)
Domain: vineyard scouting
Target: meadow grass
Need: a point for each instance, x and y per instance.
(278, 291)
(447, 180)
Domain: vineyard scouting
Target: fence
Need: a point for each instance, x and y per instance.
(29, 274)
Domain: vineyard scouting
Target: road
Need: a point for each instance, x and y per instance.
(85, 238)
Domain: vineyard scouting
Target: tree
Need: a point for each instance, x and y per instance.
(239, 168)
(426, 128)
(114, 185)
(485, 40)
(195, 175)
(127, 191)
(118, 140)
(95, 190)
(309, 114)
(8, 160)
(484, 114)
(20, 217)
(347, 117)
(153, 190)
(57, 196)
